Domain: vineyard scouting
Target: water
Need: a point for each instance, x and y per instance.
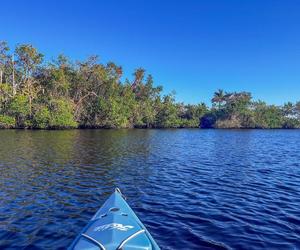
(193, 189)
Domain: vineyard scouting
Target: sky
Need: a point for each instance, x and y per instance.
(193, 47)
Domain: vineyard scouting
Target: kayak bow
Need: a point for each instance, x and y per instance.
(115, 226)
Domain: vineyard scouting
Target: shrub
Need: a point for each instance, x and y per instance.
(42, 118)
(61, 114)
(291, 123)
(7, 121)
(21, 109)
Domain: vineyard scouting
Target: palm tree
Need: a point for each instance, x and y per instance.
(288, 109)
(218, 97)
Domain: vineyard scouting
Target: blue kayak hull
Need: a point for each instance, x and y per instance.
(114, 226)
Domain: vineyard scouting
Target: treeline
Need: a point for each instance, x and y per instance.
(88, 94)
(238, 110)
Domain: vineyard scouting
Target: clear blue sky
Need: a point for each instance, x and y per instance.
(192, 47)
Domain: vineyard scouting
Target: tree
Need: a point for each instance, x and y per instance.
(192, 114)
(91, 94)
(28, 59)
(20, 108)
(297, 110)
(138, 77)
(3, 58)
(288, 109)
(267, 116)
(148, 100)
(61, 114)
(218, 98)
(235, 111)
(168, 116)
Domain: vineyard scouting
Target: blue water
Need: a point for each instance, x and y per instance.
(193, 189)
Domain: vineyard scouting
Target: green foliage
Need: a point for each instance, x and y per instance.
(5, 95)
(218, 98)
(168, 115)
(114, 114)
(237, 110)
(61, 114)
(267, 116)
(42, 117)
(191, 114)
(20, 108)
(7, 121)
(20, 105)
(290, 123)
(28, 58)
(88, 94)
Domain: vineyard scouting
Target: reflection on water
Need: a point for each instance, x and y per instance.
(209, 188)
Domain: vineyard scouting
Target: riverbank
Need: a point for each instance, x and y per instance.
(62, 94)
(140, 128)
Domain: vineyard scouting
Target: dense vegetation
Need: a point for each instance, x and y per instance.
(238, 110)
(89, 94)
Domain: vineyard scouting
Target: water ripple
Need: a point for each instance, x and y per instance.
(193, 189)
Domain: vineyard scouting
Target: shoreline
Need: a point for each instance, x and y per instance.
(69, 94)
(179, 128)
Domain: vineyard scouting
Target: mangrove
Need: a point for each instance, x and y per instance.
(61, 93)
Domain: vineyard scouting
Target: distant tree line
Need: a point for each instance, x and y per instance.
(88, 94)
(238, 110)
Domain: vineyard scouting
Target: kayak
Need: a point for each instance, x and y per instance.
(114, 226)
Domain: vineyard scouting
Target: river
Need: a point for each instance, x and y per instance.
(192, 188)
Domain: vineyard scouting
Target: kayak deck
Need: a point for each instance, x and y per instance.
(114, 226)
